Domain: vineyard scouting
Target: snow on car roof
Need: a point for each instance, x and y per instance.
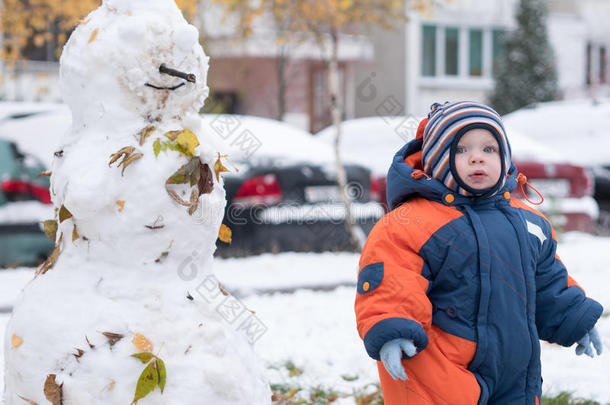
(38, 134)
(249, 138)
(373, 141)
(578, 128)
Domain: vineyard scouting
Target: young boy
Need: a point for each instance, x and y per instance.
(459, 281)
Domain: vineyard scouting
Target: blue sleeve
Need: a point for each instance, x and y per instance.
(563, 313)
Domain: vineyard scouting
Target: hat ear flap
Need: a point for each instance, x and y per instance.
(420, 129)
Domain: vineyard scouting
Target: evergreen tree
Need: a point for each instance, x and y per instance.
(526, 69)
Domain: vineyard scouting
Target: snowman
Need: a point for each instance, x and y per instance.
(137, 190)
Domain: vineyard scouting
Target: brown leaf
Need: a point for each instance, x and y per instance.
(129, 160)
(206, 181)
(79, 353)
(219, 168)
(176, 198)
(113, 337)
(50, 229)
(194, 203)
(222, 290)
(16, 341)
(126, 151)
(64, 214)
(53, 392)
(75, 235)
(225, 234)
(46, 174)
(145, 133)
(121, 205)
(50, 262)
(93, 35)
(89, 343)
(29, 401)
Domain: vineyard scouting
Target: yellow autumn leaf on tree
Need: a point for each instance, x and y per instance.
(142, 343)
(225, 234)
(16, 341)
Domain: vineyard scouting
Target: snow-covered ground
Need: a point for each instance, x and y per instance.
(315, 329)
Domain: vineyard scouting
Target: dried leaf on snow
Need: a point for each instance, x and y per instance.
(75, 235)
(219, 167)
(128, 155)
(225, 234)
(50, 229)
(29, 401)
(52, 259)
(142, 343)
(16, 341)
(206, 181)
(113, 338)
(145, 133)
(64, 214)
(93, 35)
(123, 152)
(52, 391)
(121, 205)
(79, 353)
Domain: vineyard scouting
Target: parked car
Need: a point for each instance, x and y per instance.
(23, 195)
(581, 130)
(284, 196)
(567, 188)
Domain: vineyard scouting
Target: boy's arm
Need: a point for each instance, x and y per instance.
(391, 300)
(563, 312)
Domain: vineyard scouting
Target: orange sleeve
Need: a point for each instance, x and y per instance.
(391, 300)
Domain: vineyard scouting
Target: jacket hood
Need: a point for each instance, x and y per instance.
(403, 184)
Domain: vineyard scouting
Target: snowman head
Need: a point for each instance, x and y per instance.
(134, 57)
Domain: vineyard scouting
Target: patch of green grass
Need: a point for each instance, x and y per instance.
(566, 398)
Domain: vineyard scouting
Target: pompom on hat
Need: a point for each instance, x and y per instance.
(444, 127)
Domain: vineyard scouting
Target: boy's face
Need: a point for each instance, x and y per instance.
(477, 159)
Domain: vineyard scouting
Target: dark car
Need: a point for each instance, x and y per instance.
(285, 196)
(22, 241)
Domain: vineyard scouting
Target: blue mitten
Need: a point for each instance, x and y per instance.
(391, 356)
(590, 338)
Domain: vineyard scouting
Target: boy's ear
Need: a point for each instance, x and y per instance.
(420, 129)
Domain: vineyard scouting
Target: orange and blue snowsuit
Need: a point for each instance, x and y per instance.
(475, 283)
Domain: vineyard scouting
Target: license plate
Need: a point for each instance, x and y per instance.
(322, 194)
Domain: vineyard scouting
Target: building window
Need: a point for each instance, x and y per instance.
(475, 67)
(463, 52)
(497, 43)
(451, 51)
(428, 50)
(602, 64)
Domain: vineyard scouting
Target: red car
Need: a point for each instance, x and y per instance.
(567, 188)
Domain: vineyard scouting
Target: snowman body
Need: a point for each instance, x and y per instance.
(129, 224)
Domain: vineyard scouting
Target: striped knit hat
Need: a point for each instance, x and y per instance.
(446, 125)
